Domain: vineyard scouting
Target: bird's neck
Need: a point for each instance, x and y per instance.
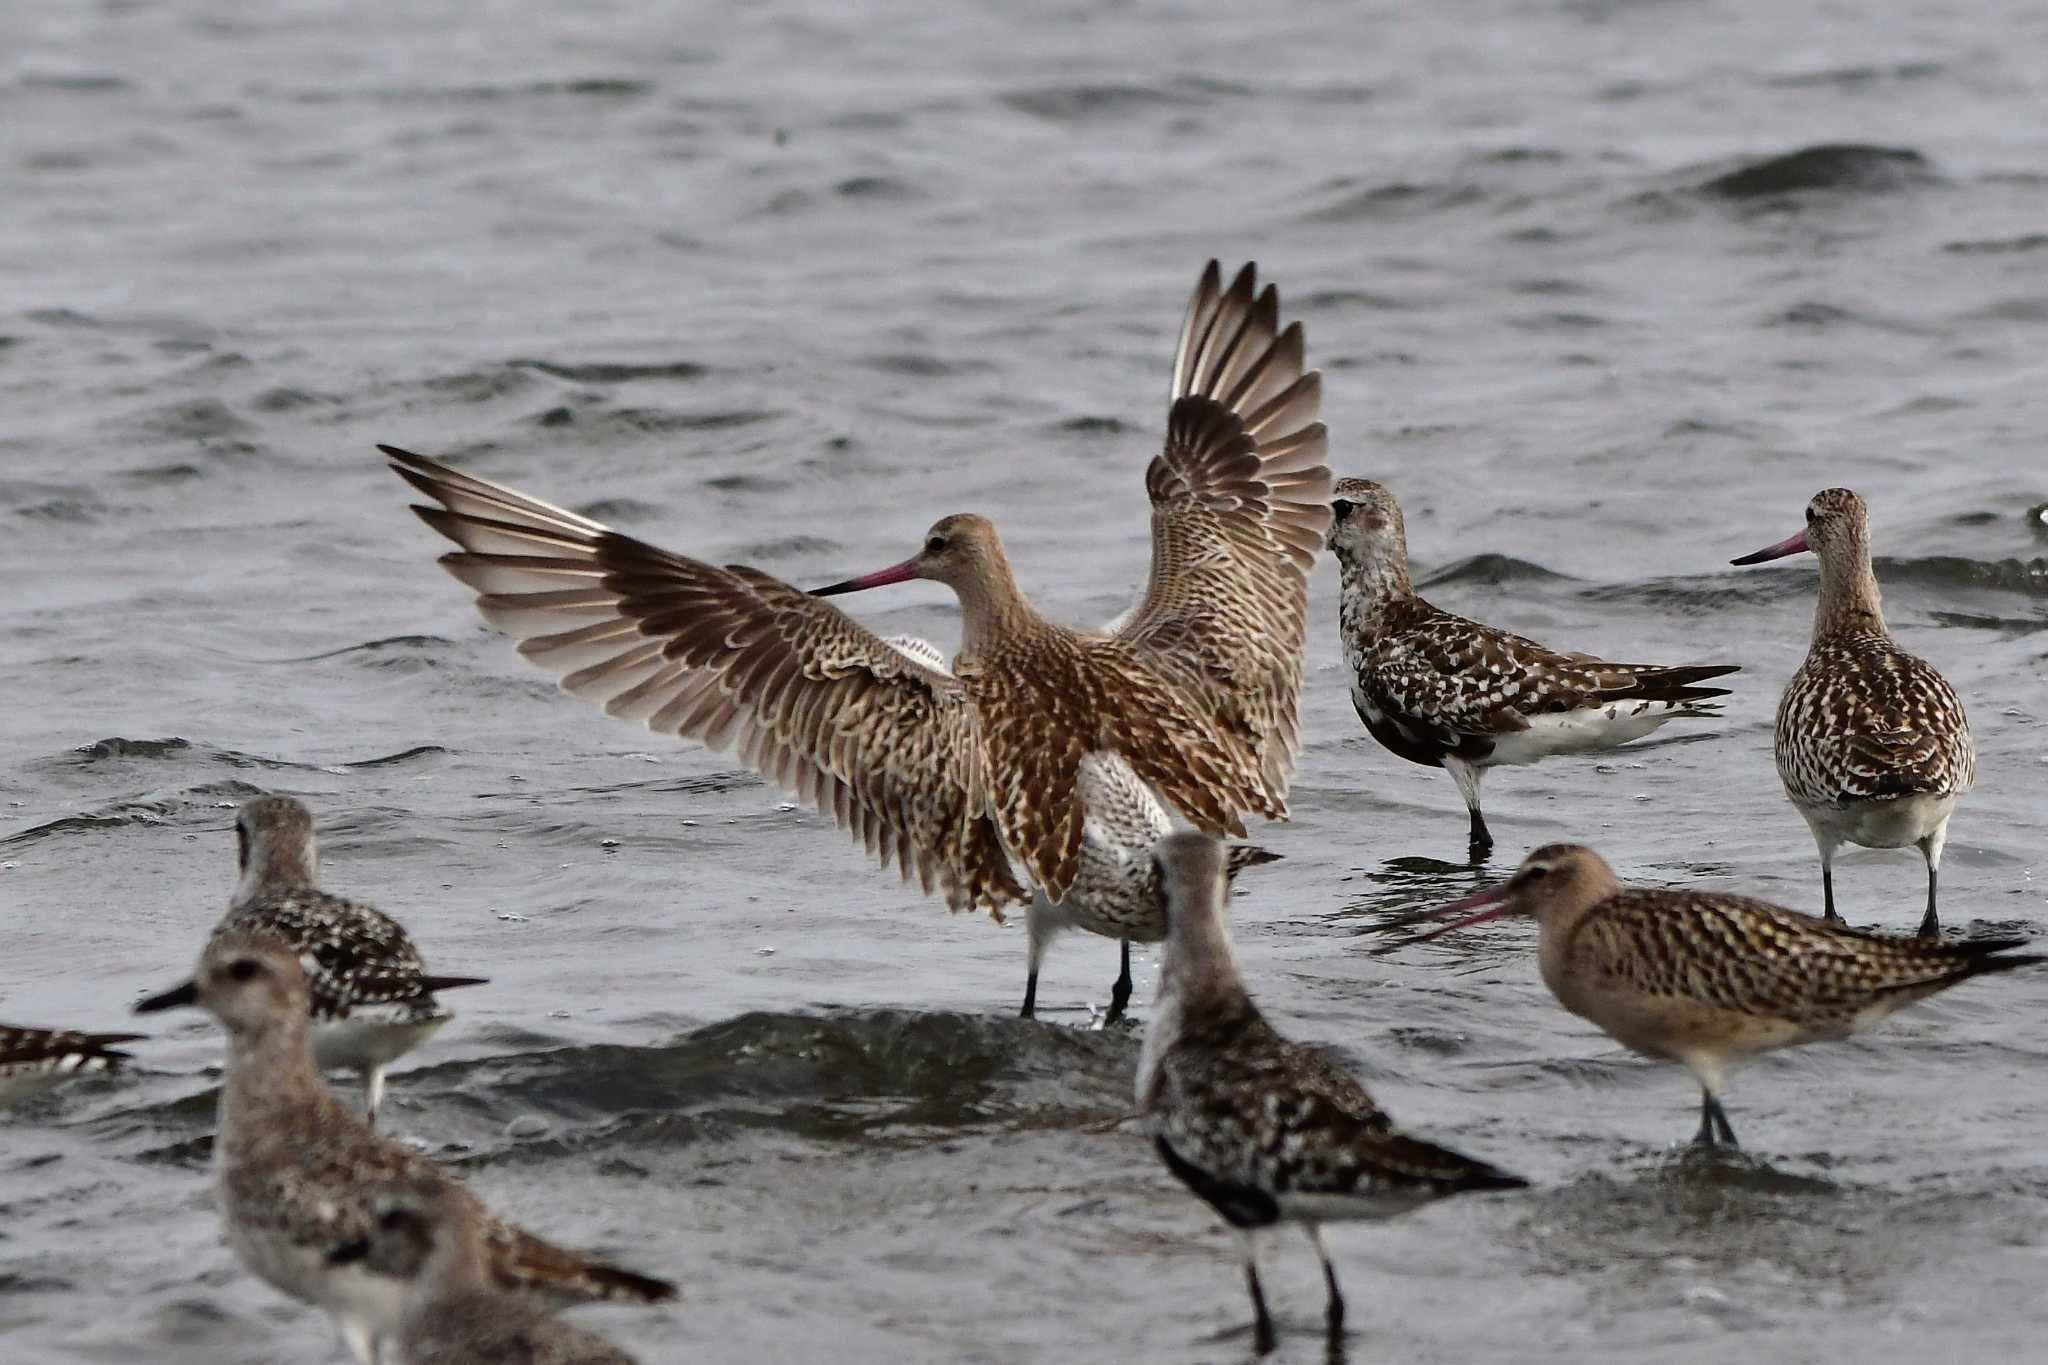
(1372, 579)
(1849, 603)
(995, 614)
(271, 1076)
(275, 870)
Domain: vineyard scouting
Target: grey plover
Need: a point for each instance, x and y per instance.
(1711, 981)
(1265, 1130)
(1872, 744)
(1445, 692)
(33, 1059)
(452, 1313)
(982, 779)
(373, 999)
(296, 1173)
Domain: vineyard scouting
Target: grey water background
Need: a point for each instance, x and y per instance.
(782, 284)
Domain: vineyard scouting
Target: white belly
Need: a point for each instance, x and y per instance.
(1581, 732)
(373, 1036)
(1894, 822)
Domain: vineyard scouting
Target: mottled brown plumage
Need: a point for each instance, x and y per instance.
(453, 1313)
(1444, 691)
(967, 779)
(1714, 980)
(1872, 744)
(297, 1174)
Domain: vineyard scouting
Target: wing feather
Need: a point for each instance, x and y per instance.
(732, 657)
(1240, 507)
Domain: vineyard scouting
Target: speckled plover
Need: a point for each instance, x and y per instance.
(1264, 1130)
(373, 1000)
(1442, 691)
(296, 1173)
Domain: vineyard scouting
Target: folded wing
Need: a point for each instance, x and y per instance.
(734, 658)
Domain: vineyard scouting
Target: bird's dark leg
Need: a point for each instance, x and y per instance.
(1480, 841)
(1030, 994)
(1263, 1339)
(1727, 1128)
(1467, 776)
(1120, 993)
(1930, 927)
(1333, 1312)
(1827, 892)
(1715, 1130)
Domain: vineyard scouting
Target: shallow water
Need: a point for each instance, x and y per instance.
(784, 287)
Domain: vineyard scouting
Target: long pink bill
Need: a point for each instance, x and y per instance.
(1792, 545)
(1492, 903)
(895, 573)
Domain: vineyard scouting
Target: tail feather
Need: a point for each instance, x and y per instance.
(1680, 683)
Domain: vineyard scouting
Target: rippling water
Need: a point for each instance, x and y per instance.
(1604, 291)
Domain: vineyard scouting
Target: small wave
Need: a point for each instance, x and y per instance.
(612, 372)
(1399, 200)
(202, 803)
(1091, 103)
(1489, 570)
(2028, 577)
(116, 746)
(1843, 168)
(2031, 241)
(843, 1074)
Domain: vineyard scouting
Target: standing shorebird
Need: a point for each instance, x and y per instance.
(34, 1059)
(1264, 1130)
(373, 1000)
(1872, 744)
(1445, 692)
(1712, 981)
(421, 1239)
(296, 1174)
(1046, 756)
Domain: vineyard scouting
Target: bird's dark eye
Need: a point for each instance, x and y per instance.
(1530, 874)
(1340, 508)
(1809, 516)
(243, 969)
(935, 545)
(391, 1219)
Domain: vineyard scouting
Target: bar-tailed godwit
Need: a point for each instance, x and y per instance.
(296, 1174)
(373, 1000)
(1872, 744)
(1038, 768)
(1264, 1130)
(1442, 691)
(1711, 981)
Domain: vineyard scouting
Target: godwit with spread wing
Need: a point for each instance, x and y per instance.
(296, 1176)
(33, 1059)
(1709, 980)
(1872, 744)
(1044, 755)
(373, 1000)
(1445, 692)
(1266, 1131)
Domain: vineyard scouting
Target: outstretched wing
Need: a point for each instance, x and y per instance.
(1240, 507)
(734, 658)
